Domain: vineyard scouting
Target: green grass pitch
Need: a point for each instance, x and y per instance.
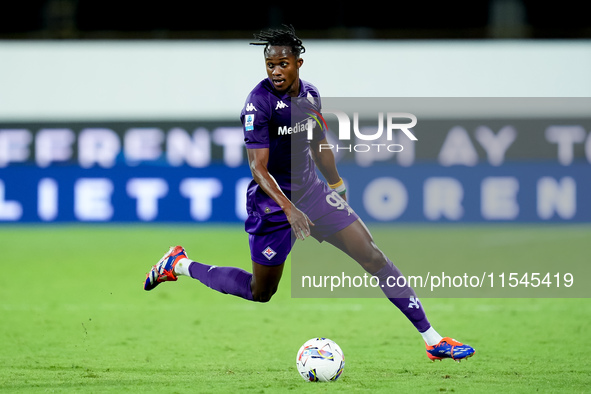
(74, 318)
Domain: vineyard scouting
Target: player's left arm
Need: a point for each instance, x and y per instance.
(326, 163)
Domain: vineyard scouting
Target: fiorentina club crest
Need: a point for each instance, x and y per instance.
(269, 253)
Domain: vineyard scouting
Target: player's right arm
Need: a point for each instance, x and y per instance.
(257, 161)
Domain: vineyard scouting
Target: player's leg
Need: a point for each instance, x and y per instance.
(227, 280)
(224, 279)
(265, 280)
(259, 286)
(356, 241)
(268, 254)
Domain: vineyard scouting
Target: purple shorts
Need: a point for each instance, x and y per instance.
(326, 209)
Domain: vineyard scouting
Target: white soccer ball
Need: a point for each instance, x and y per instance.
(320, 360)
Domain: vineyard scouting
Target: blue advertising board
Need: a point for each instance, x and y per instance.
(459, 171)
(421, 193)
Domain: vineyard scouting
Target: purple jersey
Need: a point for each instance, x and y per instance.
(275, 121)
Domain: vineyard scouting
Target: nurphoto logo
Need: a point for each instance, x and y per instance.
(344, 133)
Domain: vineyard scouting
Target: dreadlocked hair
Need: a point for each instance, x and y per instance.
(280, 37)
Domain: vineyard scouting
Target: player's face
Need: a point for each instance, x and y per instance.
(283, 69)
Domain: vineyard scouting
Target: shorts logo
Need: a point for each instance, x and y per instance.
(249, 123)
(269, 253)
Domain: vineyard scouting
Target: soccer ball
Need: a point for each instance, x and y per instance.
(320, 360)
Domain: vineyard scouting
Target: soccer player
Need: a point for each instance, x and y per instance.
(286, 200)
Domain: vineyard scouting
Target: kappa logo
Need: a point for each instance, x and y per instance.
(250, 107)
(280, 105)
(269, 253)
(414, 302)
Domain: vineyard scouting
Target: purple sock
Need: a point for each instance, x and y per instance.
(403, 297)
(227, 280)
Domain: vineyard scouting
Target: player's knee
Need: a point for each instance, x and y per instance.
(374, 260)
(263, 298)
(263, 295)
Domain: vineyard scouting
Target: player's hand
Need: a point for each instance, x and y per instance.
(300, 222)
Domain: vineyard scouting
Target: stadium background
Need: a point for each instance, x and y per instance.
(112, 113)
(116, 114)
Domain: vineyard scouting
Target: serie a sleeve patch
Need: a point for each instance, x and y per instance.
(249, 122)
